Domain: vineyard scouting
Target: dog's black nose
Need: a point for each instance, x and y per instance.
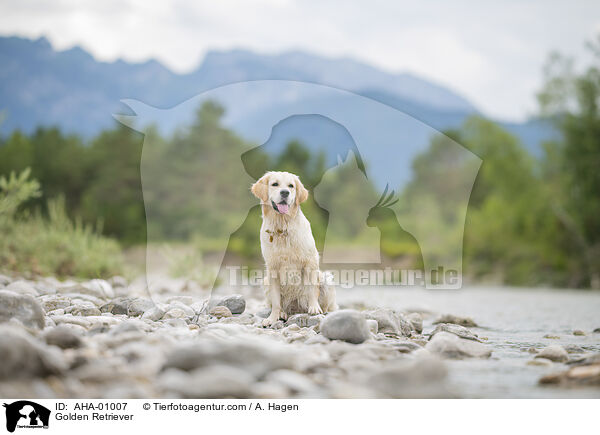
(284, 193)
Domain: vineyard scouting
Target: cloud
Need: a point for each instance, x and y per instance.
(491, 52)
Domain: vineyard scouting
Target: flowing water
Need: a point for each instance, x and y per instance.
(514, 321)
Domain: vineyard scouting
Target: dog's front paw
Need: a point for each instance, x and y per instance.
(315, 309)
(283, 316)
(269, 321)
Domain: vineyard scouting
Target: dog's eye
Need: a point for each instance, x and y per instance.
(291, 186)
(275, 184)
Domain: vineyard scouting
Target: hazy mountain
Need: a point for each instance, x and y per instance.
(42, 86)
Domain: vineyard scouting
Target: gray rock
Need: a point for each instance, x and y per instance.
(22, 307)
(215, 382)
(116, 306)
(54, 302)
(456, 320)
(449, 345)
(139, 306)
(305, 320)
(416, 320)
(220, 311)
(554, 353)
(63, 337)
(83, 310)
(390, 322)
(155, 314)
(293, 381)
(346, 325)
(588, 375)
(420, 378)
(4, 280)
(586, 360)
(22, 288)
(235, 303)
(459, 331)
(25, 358)
(255, 355)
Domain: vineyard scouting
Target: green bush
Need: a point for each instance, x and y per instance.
(54, 245)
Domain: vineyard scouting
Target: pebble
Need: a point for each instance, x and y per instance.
(220, 311)
(63, 337)
(155, 314)
(54, 302)
(421, 378)
(554, 353)
(305, 320)
(552, 337)
(139, 306)
(22, 288)
(116, 306)
(215, 382)
(4, 280)
(459, 331)
(588, 375)
(347, 325)
(25, 358)
(451, 346)
(390, 322)
(578, 332)
(235, 303)
(22, 307)
(456, 320)
(416, 320)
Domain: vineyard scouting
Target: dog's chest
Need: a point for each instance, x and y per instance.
(282, 246)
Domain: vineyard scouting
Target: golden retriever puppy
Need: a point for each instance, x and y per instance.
(294, 284)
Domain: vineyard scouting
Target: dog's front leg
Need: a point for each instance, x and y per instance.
(311, 284)
(275, 296)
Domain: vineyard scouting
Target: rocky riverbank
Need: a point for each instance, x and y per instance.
(109, 339)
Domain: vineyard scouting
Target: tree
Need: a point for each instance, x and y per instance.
(572, 163)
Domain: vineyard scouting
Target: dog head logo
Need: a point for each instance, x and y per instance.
(26, 414)
(187, 184)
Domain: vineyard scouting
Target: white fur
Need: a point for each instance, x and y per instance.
(289, 251)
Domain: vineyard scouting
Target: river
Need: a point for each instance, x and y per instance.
(514, 320)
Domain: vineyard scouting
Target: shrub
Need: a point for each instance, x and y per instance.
(33, 244)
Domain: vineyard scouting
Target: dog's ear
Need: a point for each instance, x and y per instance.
(301, 192)
(260, 189)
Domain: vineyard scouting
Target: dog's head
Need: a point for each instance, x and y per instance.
(280, 190)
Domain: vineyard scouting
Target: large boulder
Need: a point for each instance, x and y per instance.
(346, 325)
(22, 307)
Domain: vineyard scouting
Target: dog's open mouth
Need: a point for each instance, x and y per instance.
(282, 207)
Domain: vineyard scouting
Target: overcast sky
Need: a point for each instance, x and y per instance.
(489, 51)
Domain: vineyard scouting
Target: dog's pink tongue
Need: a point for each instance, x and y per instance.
(283, 208)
